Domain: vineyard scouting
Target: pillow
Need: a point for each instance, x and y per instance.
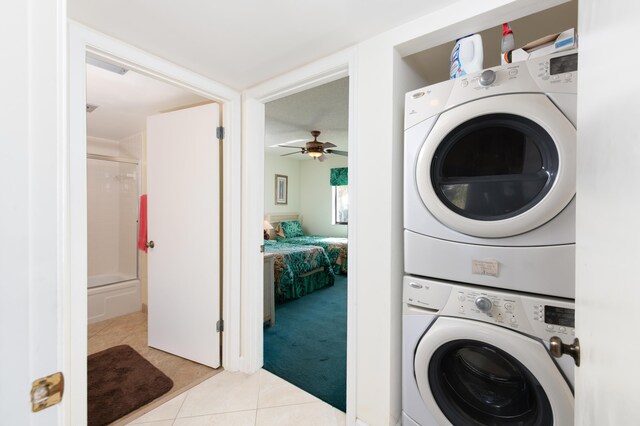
(278, 232)
(292, 228)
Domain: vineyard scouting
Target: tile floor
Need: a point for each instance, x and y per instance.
(238, 399)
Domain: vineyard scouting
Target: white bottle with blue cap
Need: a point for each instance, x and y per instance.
(467, 56)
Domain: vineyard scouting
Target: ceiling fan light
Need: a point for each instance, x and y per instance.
(314, 154)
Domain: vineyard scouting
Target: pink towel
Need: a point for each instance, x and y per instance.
(142, 224)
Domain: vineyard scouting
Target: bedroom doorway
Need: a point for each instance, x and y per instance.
(305, 229)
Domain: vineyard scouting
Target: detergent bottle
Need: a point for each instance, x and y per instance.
(466, 56)
(507, 45)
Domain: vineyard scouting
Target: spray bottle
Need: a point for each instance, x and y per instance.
(467, 56)
(507, 45)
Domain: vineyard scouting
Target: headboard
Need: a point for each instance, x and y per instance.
(275, 218)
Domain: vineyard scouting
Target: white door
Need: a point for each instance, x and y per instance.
(32, 300)
(184, 224)
(608, 228)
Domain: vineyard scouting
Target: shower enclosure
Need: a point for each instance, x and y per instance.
(112, 229)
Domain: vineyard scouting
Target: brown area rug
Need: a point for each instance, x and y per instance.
(120, 381)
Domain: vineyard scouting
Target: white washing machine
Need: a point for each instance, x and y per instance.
(477, 356)
(490, 177)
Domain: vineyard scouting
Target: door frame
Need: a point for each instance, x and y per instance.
(83, 40)
(336, 66)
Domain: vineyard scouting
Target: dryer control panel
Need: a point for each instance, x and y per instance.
(554, 73)
(543, 317)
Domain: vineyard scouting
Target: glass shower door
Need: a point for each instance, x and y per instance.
(112, 223)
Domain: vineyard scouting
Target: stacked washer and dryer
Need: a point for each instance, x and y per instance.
(489, 218)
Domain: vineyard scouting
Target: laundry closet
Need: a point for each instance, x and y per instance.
(489, 229)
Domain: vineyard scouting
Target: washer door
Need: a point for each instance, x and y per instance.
(498, 166)
(473, 373)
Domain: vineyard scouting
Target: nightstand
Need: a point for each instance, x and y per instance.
(269, 301)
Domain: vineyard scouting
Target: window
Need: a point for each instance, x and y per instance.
(339, 179)
(340, 205)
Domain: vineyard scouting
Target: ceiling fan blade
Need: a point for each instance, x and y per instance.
(291, 153)
(328, 145)
(289, 146)
(322, 158)
(333, 151)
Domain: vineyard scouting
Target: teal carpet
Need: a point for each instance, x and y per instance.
(308, 344)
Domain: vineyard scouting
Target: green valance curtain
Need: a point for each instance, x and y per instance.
(339, 176)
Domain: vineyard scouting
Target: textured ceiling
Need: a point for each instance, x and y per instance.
(243, 42)
(289, 120)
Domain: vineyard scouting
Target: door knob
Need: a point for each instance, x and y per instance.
(150, 244)
(557, 349)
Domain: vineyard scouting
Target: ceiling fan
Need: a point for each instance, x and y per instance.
(315, 149)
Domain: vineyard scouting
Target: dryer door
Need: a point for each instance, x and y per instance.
(498, 166)
(474, 373)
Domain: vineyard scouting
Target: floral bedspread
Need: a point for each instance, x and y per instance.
(291, 262)
(335, 247)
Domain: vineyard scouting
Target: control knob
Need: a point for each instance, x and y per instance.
(483, 303)
(487, 77)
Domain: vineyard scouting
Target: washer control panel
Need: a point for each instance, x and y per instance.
(538, 316)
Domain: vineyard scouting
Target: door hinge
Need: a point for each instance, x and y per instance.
(261, 248)
(46, 391)
(220, 325)
(220, 132)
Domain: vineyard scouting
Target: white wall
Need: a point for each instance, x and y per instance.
(316, 197)
(277, 165)
(607, 226)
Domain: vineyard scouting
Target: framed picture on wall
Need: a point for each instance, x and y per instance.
(281, 189)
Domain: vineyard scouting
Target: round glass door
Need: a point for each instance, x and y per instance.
(475, 383)
(494, 167)
(498, 166)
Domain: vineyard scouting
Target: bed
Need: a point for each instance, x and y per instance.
(336, 247)
(298, 269)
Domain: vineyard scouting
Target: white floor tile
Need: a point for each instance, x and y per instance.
(275, 392)
(223, 393)
(312, 414)
(237, 418)
(158, 423)
(167, 411)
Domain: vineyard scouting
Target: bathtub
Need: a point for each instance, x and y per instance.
(107, 301)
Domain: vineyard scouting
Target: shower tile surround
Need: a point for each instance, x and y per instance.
(131, 330)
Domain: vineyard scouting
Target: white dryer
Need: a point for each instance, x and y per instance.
(473, 356)
(490, 175)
